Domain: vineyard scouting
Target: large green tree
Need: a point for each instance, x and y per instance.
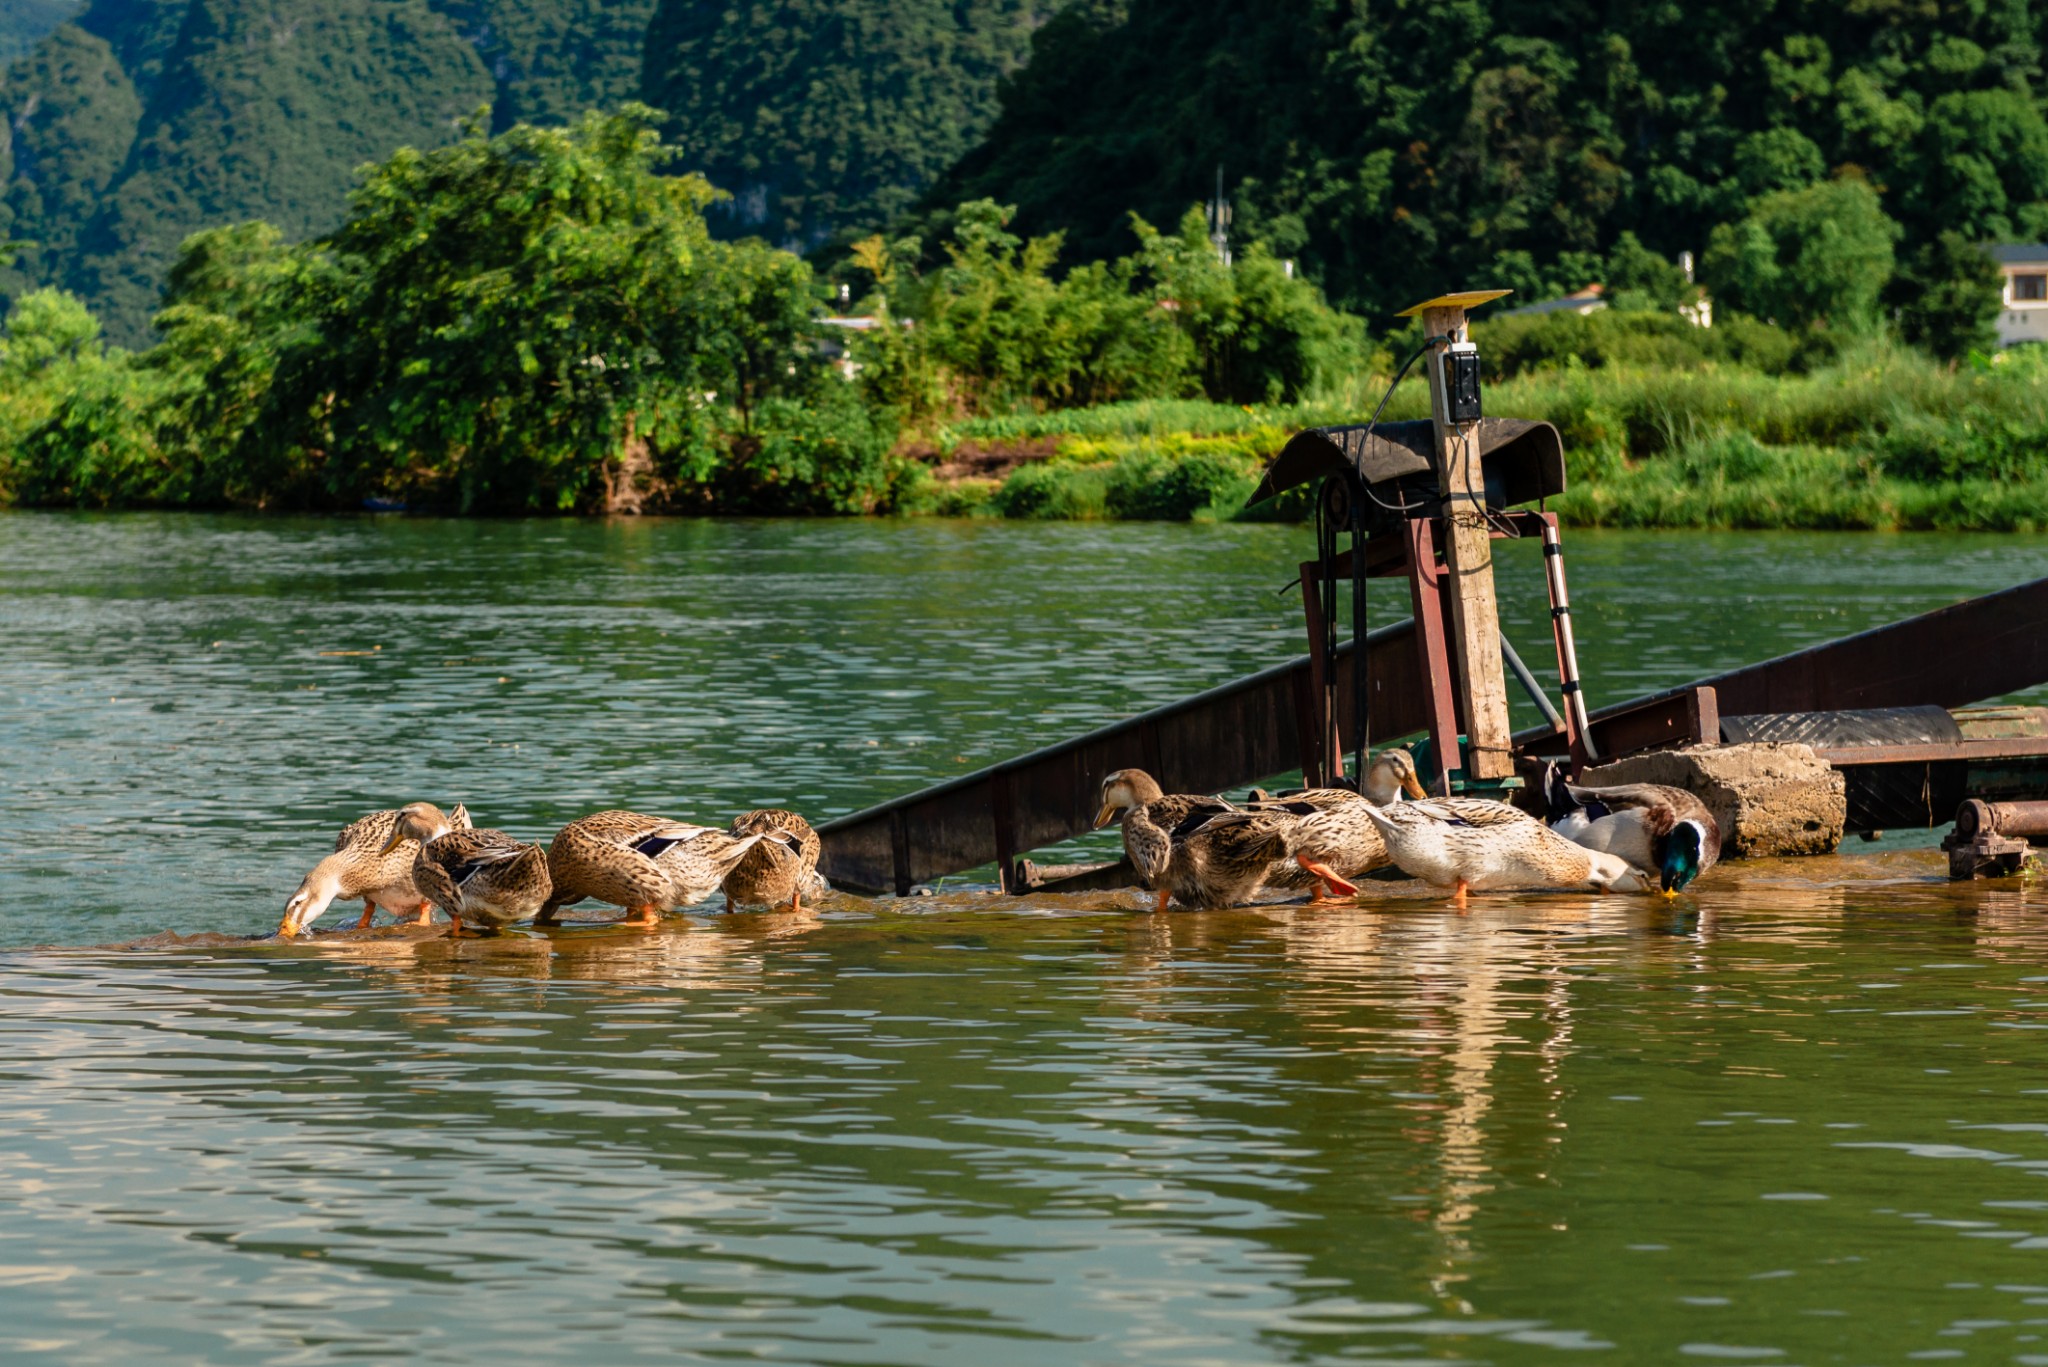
(1819, 255)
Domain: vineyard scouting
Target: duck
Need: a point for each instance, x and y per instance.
(1149, 815)
(644, 864)
(1650, 825)
(778, 869)
(1333, 842)
(481, 878)
(365, 864)
(1467, 843)
(1218, 859)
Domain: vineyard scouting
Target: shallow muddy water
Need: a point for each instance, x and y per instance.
(1800, 1116)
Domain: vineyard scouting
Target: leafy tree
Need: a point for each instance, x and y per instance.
(504, 308)
(1951, 291)
(46, 329)
(1260, 335)
(1397, 150)
(1821, 255)
(992, 330)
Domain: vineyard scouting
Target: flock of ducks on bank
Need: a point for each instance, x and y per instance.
(416, 858)
(1197, 850)
(1204, 851)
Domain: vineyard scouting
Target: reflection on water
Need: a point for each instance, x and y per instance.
(1052, 1131)
(1793, 1118)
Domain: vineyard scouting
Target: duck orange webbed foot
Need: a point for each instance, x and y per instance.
(1330, 887)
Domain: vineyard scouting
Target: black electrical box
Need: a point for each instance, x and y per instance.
(1461, 386)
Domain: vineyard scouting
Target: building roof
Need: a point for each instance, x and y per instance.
(1578, 301)
(2019, 253)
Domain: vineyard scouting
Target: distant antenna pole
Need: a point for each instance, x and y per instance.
(1219, 220)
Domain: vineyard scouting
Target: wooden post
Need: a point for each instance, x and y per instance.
(1482, 688)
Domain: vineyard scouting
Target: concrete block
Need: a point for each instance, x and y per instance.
(1770, 798)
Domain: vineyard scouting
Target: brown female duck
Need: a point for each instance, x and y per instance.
(365, 864)
(780, 867)
(645, 864)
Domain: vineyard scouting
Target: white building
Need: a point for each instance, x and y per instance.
(2024, 317)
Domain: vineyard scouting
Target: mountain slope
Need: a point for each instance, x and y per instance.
(823, 114)
(67, 118)
(265, 111)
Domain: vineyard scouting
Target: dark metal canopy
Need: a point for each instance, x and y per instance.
(1523, 460)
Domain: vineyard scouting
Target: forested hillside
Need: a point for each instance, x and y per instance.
(1390, 149)
(820, 115)
(1403, 146)
(151, 119)
(24, 22)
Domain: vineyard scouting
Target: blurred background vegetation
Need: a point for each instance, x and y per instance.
(447, 254)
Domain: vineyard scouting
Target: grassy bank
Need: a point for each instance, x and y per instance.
(1882, 438)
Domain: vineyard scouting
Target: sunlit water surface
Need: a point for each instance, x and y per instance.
(1800, 1116)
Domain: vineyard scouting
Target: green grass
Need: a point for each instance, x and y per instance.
(1878, 438)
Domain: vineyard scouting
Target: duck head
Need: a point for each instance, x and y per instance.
(1391, 775)
(1123, 790)
(1684, 850)
(319, 889)
(421, 821)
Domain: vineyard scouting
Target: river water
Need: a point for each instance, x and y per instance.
(1800, 1116)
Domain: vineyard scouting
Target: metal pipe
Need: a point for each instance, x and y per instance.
(1977, 817)
(1528, 682)
(1567, 650)
(1361, 696)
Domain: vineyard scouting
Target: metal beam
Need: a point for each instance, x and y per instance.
(1230, 736)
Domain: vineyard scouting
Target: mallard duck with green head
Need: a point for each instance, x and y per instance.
(1471, 843)
(1650, 825)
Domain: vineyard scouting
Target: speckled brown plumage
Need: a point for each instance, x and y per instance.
(647, 864)
(483, 878)
(781, 867)
(359, 867)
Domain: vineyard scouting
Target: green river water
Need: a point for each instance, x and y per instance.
(1800, 1116)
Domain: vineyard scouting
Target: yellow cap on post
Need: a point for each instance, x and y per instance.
(1464, 299)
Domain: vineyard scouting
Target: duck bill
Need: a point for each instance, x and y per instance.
(1412, 786)
(1104, 817)
(288, 928)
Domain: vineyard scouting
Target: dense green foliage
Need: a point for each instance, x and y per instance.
(176, 115)
(24, 23)
(534, 321)
(993, 331)
(1880, 438)
(72, 114)
(821, 115)
(1405, 147)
